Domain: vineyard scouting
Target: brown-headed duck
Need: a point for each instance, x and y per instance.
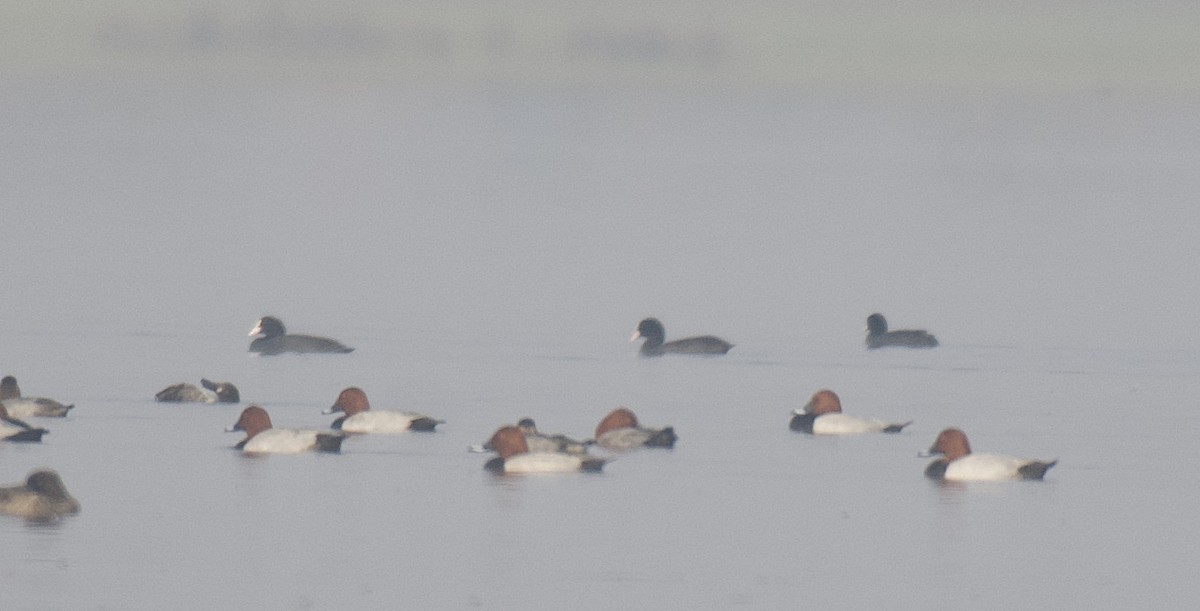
(515, 457)
(360, 418)
(822, 415)
(261, 438)
(958, 464)
(619, 430)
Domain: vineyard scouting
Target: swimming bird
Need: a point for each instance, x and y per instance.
(360, 418)
(822, 415)
(25, 407)
(959, 464)
(42, 498)
(271, 337)
(12, 429)
(261, 438)
(878, 335)
(515, 457)
(541, 442)
(213, 392)
(619, 430)
(654, 333)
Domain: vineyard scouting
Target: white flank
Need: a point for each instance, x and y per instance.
(842, 424)
(984, 468)
(542, 462)
(282, 441)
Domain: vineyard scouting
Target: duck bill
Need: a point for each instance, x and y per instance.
(332, 410)
(635, 336)
(257, 330)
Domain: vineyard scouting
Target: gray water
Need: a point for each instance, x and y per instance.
(487, 237)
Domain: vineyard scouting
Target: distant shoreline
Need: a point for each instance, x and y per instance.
(938, 44)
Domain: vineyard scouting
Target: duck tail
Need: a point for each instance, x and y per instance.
(592, 465)
(424, 424)
(896, 428)
(1036, 469)
(29, 435)
(330, 442)
(663, 439)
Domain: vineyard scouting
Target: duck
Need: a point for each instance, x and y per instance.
(271, 338)
(540, 442)
(958, 464)
(42, 498)
(515, 457)
(212, 392)
(12, 429)
(360, 418)
(878, 335)
(620, 431)
(822, 415)
(25, 407)
(651, 329)
(261, 438)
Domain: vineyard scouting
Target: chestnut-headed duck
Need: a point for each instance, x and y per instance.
(42, 498)
(360, 418)
(822, 415)
(515, 457)
(271, 337)
(619, 430)
(958, 464)
(212, 392)
(25, 407)
(261, 438)
(12, 429)
(652, 330)
(878, 335)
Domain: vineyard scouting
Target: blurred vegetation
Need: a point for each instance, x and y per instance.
(942, 44)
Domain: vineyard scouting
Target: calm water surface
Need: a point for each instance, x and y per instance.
(488, 248)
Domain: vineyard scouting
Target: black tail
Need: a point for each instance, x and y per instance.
(662, 439)
(593, 465)
(329, 442)
(802, 423)
(1036, 469)
(896, 428)
(27, 435)
(424, 424)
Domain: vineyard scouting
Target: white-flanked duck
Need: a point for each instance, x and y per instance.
(515, 457)
(360, 418)
(822, 415)
(261, 438)
(958, 464)
(12, 429)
